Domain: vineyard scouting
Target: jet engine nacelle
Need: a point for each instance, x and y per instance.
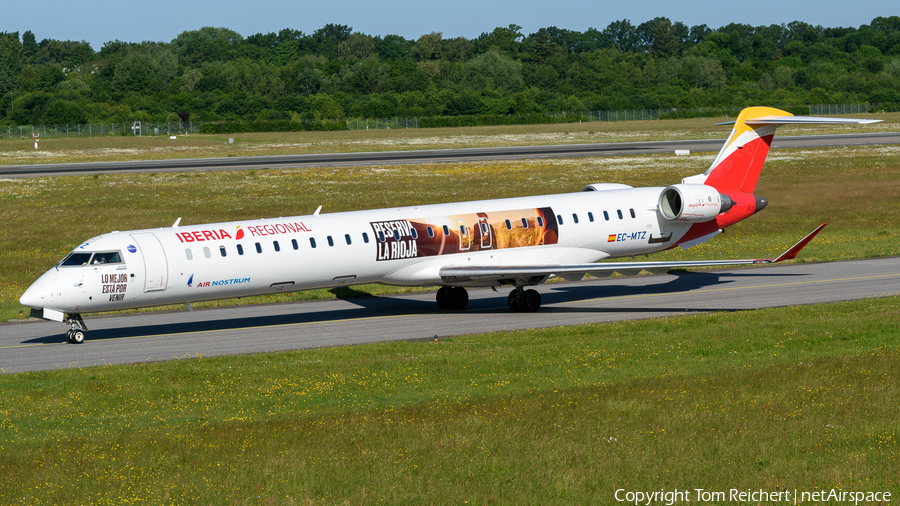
(693, 203)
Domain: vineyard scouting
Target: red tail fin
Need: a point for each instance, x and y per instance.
(740, 161)
(737, 167)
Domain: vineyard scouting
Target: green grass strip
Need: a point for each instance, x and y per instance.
(786, 398)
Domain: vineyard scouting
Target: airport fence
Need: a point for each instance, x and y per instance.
(142, 128)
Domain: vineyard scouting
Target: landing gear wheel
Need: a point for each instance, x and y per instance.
(454, 297)
(459, 298)
(531, 301)
(515, 301)
(443, 297)
(77, 337)
(75, 334)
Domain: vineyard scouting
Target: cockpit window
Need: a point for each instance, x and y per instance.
(106, 257)
(76, 259)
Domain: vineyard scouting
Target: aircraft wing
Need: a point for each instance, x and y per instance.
(532, 274)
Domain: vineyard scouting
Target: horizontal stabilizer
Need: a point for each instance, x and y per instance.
(804, 120)
(809, 120)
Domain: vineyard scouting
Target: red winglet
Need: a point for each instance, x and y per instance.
(791, 253)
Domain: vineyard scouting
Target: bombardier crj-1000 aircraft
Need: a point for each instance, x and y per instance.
(516, 242)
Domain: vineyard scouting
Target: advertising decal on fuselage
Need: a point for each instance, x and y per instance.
(444, 235)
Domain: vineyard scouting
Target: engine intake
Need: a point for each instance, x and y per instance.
(693, 203)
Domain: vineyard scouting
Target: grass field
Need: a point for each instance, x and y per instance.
(853, 188)
(776, 399)
(117, 148)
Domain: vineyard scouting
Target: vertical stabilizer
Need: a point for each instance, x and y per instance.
(738, 164)
(740, 161)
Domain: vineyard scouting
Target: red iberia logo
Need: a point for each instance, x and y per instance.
(203, 235)
(255, 231)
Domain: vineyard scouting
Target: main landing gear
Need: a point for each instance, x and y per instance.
(519, 300)
(452, 297)
(524, 301)
(75, 335)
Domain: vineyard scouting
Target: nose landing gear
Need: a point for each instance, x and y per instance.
(75, 335)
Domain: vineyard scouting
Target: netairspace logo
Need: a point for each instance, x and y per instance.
(670, 497)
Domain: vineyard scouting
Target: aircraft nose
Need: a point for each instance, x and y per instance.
(33, 297)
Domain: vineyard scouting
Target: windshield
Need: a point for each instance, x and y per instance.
(76, 259)
(110, 257)
(84, 258)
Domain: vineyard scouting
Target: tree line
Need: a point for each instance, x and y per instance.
(215, 74)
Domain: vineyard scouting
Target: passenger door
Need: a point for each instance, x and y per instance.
(156, 268)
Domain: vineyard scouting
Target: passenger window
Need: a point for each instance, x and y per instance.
(111, 257)
(559, 219)
(189, 254)
(430, 231)
(462, 231)
(381, 236)
(484, 229)
(240, 249)
(347, 237)
(446, 230)
(591, 217)
(619, 211)
(76, 259)
(396, 235)
(258, 248)
(508, 225)
(574, 218)
(206, 252)
(632, 213)
(540, 221)
(312, 242)
(222, 250)
(365, 238)
(605, 215)
(415, 235)
(524, 223)
(277, 247)
(330, 241)
(294, 244)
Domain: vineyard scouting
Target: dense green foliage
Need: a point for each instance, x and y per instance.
(216, 74)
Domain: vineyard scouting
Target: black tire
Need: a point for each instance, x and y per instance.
(459, 298)
(77, 337)
(69, 336)
(514, 301)
(531, 301)
(443, 297)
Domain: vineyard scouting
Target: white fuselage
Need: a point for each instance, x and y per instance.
(398, 246)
